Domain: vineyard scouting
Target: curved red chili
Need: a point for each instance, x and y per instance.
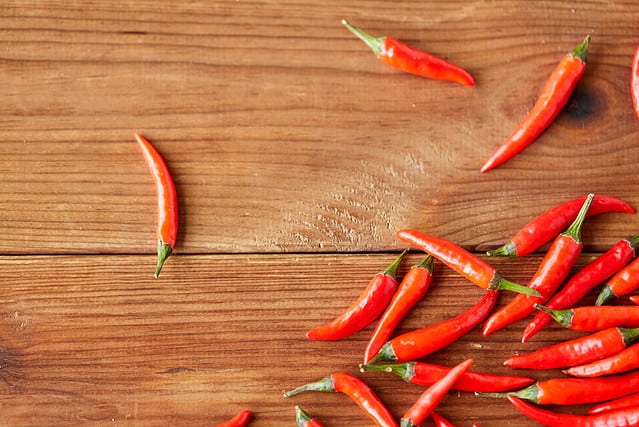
(303, 419)
(546, 226)
(629, 401)
(465, 263)
(623, 282)
(240, 420)
(624, 361)
(441, 421)
(368, 306)
(575, 391)
(634, 81)
(426, 374)
(412, 288)
(603, 267)
(576, 351)
(550, 102)
(595, 318)
(167, 201)
(357, 390)
(418, 343)
(406, 58)
(553, 269)
(430, 398)
(622, 418)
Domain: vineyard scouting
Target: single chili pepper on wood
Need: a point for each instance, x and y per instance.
(441, 421)
(575, 391)
(550, 102)
(629, 401)
(622, 418)
(622, 283)
(430, 398)
(426, 374)
(240, 420)
(303, 419)
(357, 390)
(421, 342)
(634, 81)
(624, 361)
(546, 226)
(167, 201)
(399, 55)
(603, 267)
(368, 306)
(577, 351)
(553, 269)
(595, 318)
(412, 288)
(465, 263)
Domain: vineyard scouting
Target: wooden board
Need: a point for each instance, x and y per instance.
(297, 156)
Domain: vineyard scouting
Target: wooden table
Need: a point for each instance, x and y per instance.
(297, 156)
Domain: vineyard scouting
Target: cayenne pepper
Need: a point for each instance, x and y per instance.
(441, 421)
(622, 283)
(422, 373)
(240, 420)
(634, 81)
(553, 269)
(368, 306)
(421, 342)
(412, 288)
(595, 318)
(629, 401)
(167, 201)
(399, 55)
(621, 418)
(625, 360)
(465, 263)
(430, 398)
(604, 266)
(550, 102)
(576, 351)
(303, 419)
(357, 390)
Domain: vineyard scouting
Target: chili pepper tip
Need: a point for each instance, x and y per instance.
(507, 285)
(605, 295)
(375, 43)
(164, 251)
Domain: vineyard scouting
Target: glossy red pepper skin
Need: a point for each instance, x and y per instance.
(623, 282)
(357, 390)
(303, 419)
(621, 418)
(593, 274)
(421, 342)
(552, 271)
(441, 421)
(546, 226)
(634, 81)
(412, 288)
(240, 420)
(363, 311)
(549, 104)
(577, 351)
(399, 55)
(597, 317)
(629, 401)
(465, 263)
(624, 361)
(426, 374)
(430, 398)
(167, 200)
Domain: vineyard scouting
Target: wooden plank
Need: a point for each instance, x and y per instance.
(286, 135)
(97, 340)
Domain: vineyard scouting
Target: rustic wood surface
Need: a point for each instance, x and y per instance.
(297, 156)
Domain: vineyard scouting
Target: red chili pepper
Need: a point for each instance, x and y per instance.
(630, 401)
(550, 102)
(441, 421)
(604, 266)
(595, 318)
(418, 343)
(412, 288)
(167, 201)
(576, 351)
(625, 360)
(634, 81)
(399, 55)
(303, 419)
(545, 227)
(634, 299)
(575, 391)
(622, 418)
(553, 269)
(240, 420)
(465, 263)
(426, 374)
(430, 398)
(622, 283)
(357, 390)
(368, 306)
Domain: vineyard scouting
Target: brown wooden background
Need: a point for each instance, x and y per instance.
(297, 156)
